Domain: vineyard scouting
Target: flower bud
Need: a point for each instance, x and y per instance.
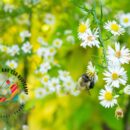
(119, 113)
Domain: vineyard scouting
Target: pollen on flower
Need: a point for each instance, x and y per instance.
(115, 76)
(126, 20)
(82, 28)
(115, 27)
(45, 79)
(118, 54)
(90, 38)
(108, 96)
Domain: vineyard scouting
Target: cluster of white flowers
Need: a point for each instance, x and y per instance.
(61, 85)
(48, 53)
(115, 76)
(15, 49)
(89, 37)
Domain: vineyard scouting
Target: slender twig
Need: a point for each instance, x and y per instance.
(126, 116)
(99, 28)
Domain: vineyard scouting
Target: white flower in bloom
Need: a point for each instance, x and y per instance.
(57, 43)
(41, 41)
(66, 32)
(12, 64)
(8, 8)
(69, 84)
(50, 51)
(114, 28)
(121, 55)
(44, 67)
(41, 51)
(90, 39)
(25, 127)
(91, 71)
(27, 47)
(127, 90)
(125, 20)
(49, 18)
(14, 50)
(23, 98)
(40, 92)
(70, 38)
(83, 28)
(107, 99)
(64, 75)
(25, 34)
(45, 80)
(54, 85)
(115, 75)
(4, 49)
(75, 92)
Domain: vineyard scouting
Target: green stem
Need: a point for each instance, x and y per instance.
(99, 28)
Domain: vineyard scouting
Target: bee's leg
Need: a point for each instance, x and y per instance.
(88, 91)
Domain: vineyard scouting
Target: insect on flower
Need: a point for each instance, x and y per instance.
(88, 80)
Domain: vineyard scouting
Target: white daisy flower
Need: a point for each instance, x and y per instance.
(75, 92)
(25, 34)
(54, 85)
(64, 75)
(70, 39)
(125, 20)
(40, 93)
(90, 39)
(114, 28)
(127, 90)
(27, 47)
(4, 49)
(57, 43)
(107, 99)
(23, 98)
(14, 50)
(91, 71)
(8, 8)
(50, 51)
(41, 41)
(115, 75)
(12, 64)
(49, 18)
(83, 27)
(69, 84)
(41, 51)
(45, 80)
(121, 55)
(25, 127)
(44, 67)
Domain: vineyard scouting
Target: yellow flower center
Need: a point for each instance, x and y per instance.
(115, 76)
(57, 42)
(115, 27)
(90, 38)
(126, 20)
(82, 28)
(118, 54)
(45, 79)
(108, 96)
(52, 50)
(11, 65)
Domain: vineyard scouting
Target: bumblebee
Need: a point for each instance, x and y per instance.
(86, 82)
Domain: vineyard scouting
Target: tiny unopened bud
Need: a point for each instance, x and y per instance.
(119, 113)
